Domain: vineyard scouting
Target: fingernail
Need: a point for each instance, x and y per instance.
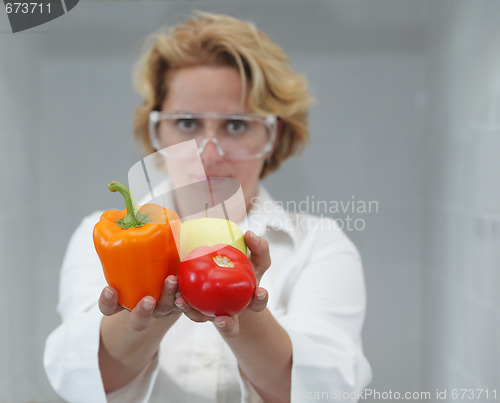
(148, 304)
(172, 281)
(180, 306)
(261, 296)
(253, 237)
(108, 294)
(221, 324)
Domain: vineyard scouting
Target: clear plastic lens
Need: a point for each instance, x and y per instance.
(185, 125)
(235, 136)
(236, 126)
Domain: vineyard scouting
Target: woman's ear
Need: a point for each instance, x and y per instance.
(279, 128)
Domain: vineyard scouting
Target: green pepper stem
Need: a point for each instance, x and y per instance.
(133, 218)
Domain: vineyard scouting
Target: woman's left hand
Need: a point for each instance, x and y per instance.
(229, 325)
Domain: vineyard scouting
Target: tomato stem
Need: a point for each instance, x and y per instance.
(133, 218)
(223, 261)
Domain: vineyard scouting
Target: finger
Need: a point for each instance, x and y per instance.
(141, 315)
(259, 300)
(165, 304)
(227, 326)
(108, 302)
(191, 312)
(259, 256)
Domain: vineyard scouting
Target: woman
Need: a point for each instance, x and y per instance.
(213, 78)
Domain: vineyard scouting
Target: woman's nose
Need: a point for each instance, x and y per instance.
(210, 150)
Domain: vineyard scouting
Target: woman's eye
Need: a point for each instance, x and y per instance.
(236, 126)
(186, 125)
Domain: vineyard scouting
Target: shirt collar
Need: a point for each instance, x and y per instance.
(267, 215)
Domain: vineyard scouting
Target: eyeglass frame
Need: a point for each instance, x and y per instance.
(270, 120)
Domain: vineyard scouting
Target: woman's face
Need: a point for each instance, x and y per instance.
(213, 89)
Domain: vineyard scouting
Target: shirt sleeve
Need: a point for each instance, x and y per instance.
(324, 311)
(322, 305)
(71, 350)
(71, 358)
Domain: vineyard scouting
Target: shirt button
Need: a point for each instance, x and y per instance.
(206, 359)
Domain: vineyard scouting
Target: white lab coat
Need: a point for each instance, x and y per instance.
(316, 292)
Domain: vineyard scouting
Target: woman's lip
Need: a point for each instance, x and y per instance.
(202, 178)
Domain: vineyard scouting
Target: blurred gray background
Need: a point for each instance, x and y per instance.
(407, 115)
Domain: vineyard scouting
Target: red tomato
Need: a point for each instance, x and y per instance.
(217, 280)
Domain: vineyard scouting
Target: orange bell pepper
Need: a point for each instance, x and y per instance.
(138, 250)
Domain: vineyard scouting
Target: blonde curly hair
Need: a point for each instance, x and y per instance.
(208, 39)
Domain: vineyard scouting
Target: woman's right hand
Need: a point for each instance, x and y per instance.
(146, 309)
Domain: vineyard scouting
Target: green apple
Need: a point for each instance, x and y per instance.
(208, 232)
